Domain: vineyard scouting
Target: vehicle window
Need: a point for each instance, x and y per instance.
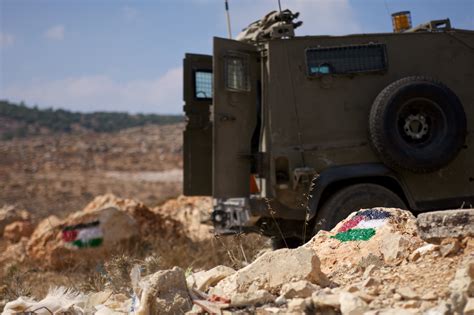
(237, 72)
(203, 84)
(344, 60)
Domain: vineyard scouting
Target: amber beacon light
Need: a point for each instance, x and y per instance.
(401, 21)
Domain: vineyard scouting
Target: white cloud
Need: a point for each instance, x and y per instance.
(55, 33)
(320, 17)
(130, 14)
(6, 39)
(101, 92)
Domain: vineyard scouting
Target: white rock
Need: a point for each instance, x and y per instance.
(203, 280)
(297, 306)
(352, 304)
(394, 247)
(280, 300)
(272, 270)
(164, 292)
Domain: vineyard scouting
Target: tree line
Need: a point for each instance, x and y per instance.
(60, 120)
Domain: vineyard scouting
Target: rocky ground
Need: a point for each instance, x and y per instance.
(118, 256)
(95, 224)
(60, 174)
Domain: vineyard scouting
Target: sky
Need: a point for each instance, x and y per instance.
(114, 55)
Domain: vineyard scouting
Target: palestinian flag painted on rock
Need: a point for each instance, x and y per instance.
(83, 235)
(362, 226)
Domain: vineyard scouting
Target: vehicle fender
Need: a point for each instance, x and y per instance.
(357, 173)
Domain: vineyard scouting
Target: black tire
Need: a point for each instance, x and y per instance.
(353, 198)
(417, 124)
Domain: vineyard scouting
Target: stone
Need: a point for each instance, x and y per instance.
(203, 280)
(352, 289)
(164, 292)
(370, 282)
(367, 297)
(296, 306)
(10, 214)
(462, 286)
(429, 296)
(469, 308)
(85, 236)
(443, 308)
(408, 293)
(411, 304)
(422, 251)
(393, 247)
(369, 271)
(272, 270)
(281, 300)
(449, 247)
(325, 300)
(13, 232)
(299, 289)
(258, 297)
(436, 225)
(351, 304)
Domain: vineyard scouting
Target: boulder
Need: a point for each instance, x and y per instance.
(436, 225)
(105, 226)
(272, 270)
(13, 232)
(164, 292)
(10, 214)
(203, 280)
(367, 237)
(85, 236)
(149, 222)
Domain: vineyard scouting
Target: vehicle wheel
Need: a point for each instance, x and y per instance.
(417, 124)
(290, 242)
(353, 198)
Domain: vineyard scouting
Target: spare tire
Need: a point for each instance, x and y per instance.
(417, 124)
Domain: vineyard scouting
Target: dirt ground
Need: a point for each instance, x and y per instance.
(60, 174)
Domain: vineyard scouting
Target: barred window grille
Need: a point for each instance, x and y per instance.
(346, 60)
(203, 84)
(237, 73)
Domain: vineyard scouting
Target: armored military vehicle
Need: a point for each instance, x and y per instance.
(291, 134)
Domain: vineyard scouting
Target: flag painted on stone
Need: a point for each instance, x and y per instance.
(83, 235)
(362, 226)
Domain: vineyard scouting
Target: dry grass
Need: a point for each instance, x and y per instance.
(151, 255)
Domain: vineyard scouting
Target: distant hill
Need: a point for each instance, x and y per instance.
(19, 120)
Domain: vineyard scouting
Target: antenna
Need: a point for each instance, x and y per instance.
(279, 6)
(228, 18)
